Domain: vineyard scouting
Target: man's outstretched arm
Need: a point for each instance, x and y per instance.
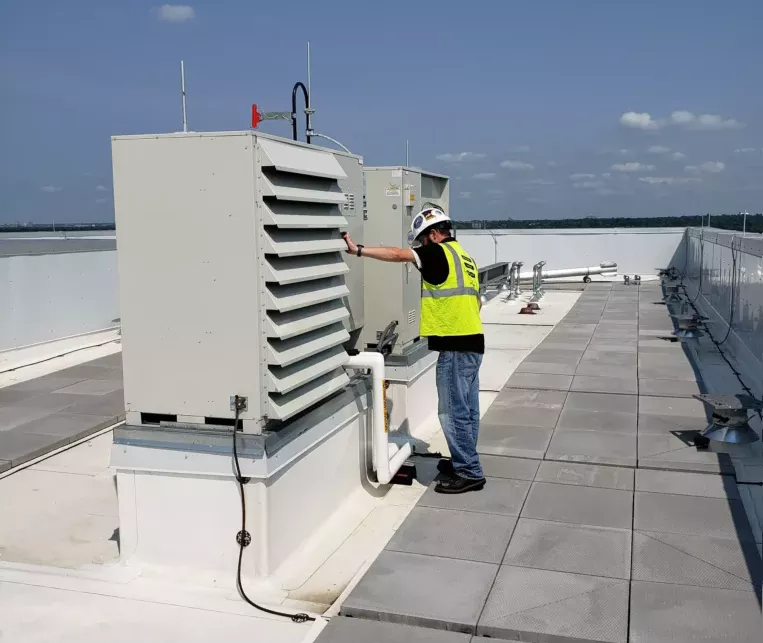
(395, 255)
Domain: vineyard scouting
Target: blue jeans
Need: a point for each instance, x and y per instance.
(458, 387)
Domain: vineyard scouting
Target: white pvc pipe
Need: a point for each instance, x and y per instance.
(574, 272)
(387, 458)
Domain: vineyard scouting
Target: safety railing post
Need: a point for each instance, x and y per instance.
(541, 291)
(517, 289)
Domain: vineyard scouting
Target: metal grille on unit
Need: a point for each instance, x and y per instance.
(303, 273)
(411, 316)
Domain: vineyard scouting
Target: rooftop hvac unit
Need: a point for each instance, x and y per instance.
(232, 280)
(393, 195)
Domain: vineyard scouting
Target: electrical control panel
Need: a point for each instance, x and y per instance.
(393, 196)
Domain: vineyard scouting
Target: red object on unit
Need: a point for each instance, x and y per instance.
(255, 117)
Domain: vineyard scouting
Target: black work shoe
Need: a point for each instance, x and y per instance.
(445, 466)
(457, 484)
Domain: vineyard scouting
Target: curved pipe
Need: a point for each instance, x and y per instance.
(333, 140)
(387, 458)
(306, 94)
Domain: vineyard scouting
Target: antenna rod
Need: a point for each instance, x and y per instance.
(309, 89)
(182, 92)
(406, 153)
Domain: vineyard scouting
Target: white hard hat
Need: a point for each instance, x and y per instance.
(424, 220)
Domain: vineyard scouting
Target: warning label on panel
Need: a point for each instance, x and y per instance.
(393, 189)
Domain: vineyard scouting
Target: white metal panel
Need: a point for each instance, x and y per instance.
(636, 250)
(299, 160)
(49, 297)
(187, 248)
(282, 407)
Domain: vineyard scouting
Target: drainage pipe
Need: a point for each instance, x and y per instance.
(572, 272)
(387, 458)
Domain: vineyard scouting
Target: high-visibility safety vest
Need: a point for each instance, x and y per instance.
(452, 308)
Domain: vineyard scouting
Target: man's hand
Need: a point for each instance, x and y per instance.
(352, 248)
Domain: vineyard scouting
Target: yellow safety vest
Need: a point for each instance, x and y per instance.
(453, 307)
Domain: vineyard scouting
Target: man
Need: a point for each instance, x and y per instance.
(450, 319)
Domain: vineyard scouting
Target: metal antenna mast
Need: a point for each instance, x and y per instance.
(182, 93)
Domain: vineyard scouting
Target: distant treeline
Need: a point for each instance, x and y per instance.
(58, 227)
(723, 221)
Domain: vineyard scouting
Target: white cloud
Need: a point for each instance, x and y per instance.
(537, 182)
(746, 150)
(705, 121)
(460, 157)
(50, 188)
(552, 164)
(521, 149)
(464, 195)
(577, 176)
(679, 118)
(607, 175)
(484, 176)
(517, 165)
(659, 149)
(100, 188)
(495, 192)
(639, 120)
(176, 12)
(588, 185)
(711, 167)
(678, 156)
(667, 180)
(625, 151)
(101, 200)
(632, 167)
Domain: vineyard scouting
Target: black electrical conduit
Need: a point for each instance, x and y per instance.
(308, 126)
(243, 537)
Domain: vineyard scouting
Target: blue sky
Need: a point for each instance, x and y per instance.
(536, 108)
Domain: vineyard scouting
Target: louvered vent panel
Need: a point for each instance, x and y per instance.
(303, 273)
(301, 294)
(284, 379)
(295, 187)
(284, 406)
(285, 214)
(283, 352)
(291, 242)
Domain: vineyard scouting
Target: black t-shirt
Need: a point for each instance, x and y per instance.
(434, 269)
